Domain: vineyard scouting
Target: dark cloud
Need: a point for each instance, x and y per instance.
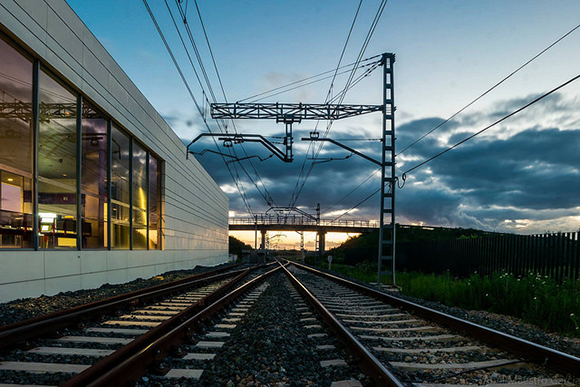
(490, 182)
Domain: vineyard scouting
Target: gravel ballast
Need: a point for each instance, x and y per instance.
(271, 346)
(25, 308)
(275, 348)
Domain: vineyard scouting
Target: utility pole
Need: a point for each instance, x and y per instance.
(388, 177)
(290, 113)
(386, 248)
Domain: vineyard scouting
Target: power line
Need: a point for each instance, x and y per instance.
(353, 190)
(172, 56)
(358, 204)
(270, 200)
(343, 50)
(297, 187)
(184, 80)
(342, 94)
(311, 78)
(210, 50)
(404, 176)
(490, 89)
(198, 56)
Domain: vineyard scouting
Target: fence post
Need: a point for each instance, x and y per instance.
(576, 258)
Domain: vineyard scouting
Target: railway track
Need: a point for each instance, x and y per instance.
(117, 340)
(401, 343)
(274, 326)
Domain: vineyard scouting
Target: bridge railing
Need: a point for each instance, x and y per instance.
(303, 220)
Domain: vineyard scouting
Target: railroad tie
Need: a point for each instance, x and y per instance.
(489, 364)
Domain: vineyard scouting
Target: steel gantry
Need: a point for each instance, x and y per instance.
(290, 113)
(388, 177)
(387, 228)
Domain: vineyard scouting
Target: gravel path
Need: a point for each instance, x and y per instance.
(26, 308)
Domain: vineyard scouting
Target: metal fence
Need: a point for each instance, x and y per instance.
(553, 255)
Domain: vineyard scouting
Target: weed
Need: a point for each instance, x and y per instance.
(534, 298)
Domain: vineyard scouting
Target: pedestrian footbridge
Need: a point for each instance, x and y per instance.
(265, 223)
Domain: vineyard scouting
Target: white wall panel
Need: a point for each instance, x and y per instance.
(195, 208)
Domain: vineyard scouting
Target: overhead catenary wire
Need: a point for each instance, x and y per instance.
(297, 187)
(312, 79)
(198, 56)
(358, 204)
(541, 97)
(235, 175)
(343, 50)
(490, 89)
(190, 92)
(353, 190)
(347, 87)
(404, 175)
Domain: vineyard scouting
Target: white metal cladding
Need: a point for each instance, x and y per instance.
(195, 209)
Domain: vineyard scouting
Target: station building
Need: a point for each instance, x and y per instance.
(95, 186)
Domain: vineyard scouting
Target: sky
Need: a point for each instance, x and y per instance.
(521, 175)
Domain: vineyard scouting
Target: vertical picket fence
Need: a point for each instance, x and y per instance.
(554, 255)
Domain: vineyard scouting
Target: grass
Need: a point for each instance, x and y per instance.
(535, 299)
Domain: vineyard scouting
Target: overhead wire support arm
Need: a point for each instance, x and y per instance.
(235, 138)
(313, 137)
(288, 113)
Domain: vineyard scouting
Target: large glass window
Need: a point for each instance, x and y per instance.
(139, 197)
(94, 179)
(154, 204)
(120, 183)
(15, 148)
(57, 164)
(128, 205)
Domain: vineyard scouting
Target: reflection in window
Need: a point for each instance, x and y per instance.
(154, 205)
(57, 164)
(139, 197)
(15, 149)
(94, 179)
(120, 199)
(135, 175)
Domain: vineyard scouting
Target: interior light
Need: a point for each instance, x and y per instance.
(47, 217)
(10, 179)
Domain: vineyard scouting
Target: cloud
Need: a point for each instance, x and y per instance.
(522, 176)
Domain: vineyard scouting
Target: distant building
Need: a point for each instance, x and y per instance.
(95, 186)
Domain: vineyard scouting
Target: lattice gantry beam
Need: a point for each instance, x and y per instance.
(47, 111)
(290, 112)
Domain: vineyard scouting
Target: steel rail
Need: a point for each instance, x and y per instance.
(12, 334)
(369, 363)
(528, 350)
(148, 351)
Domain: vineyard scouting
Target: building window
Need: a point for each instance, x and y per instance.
(120, 189)
(154, 204)
(94, 162)
(119, 202)
(57, 164)
(16, 222)
(139, 204)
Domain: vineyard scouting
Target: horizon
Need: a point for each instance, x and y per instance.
(521, 176)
